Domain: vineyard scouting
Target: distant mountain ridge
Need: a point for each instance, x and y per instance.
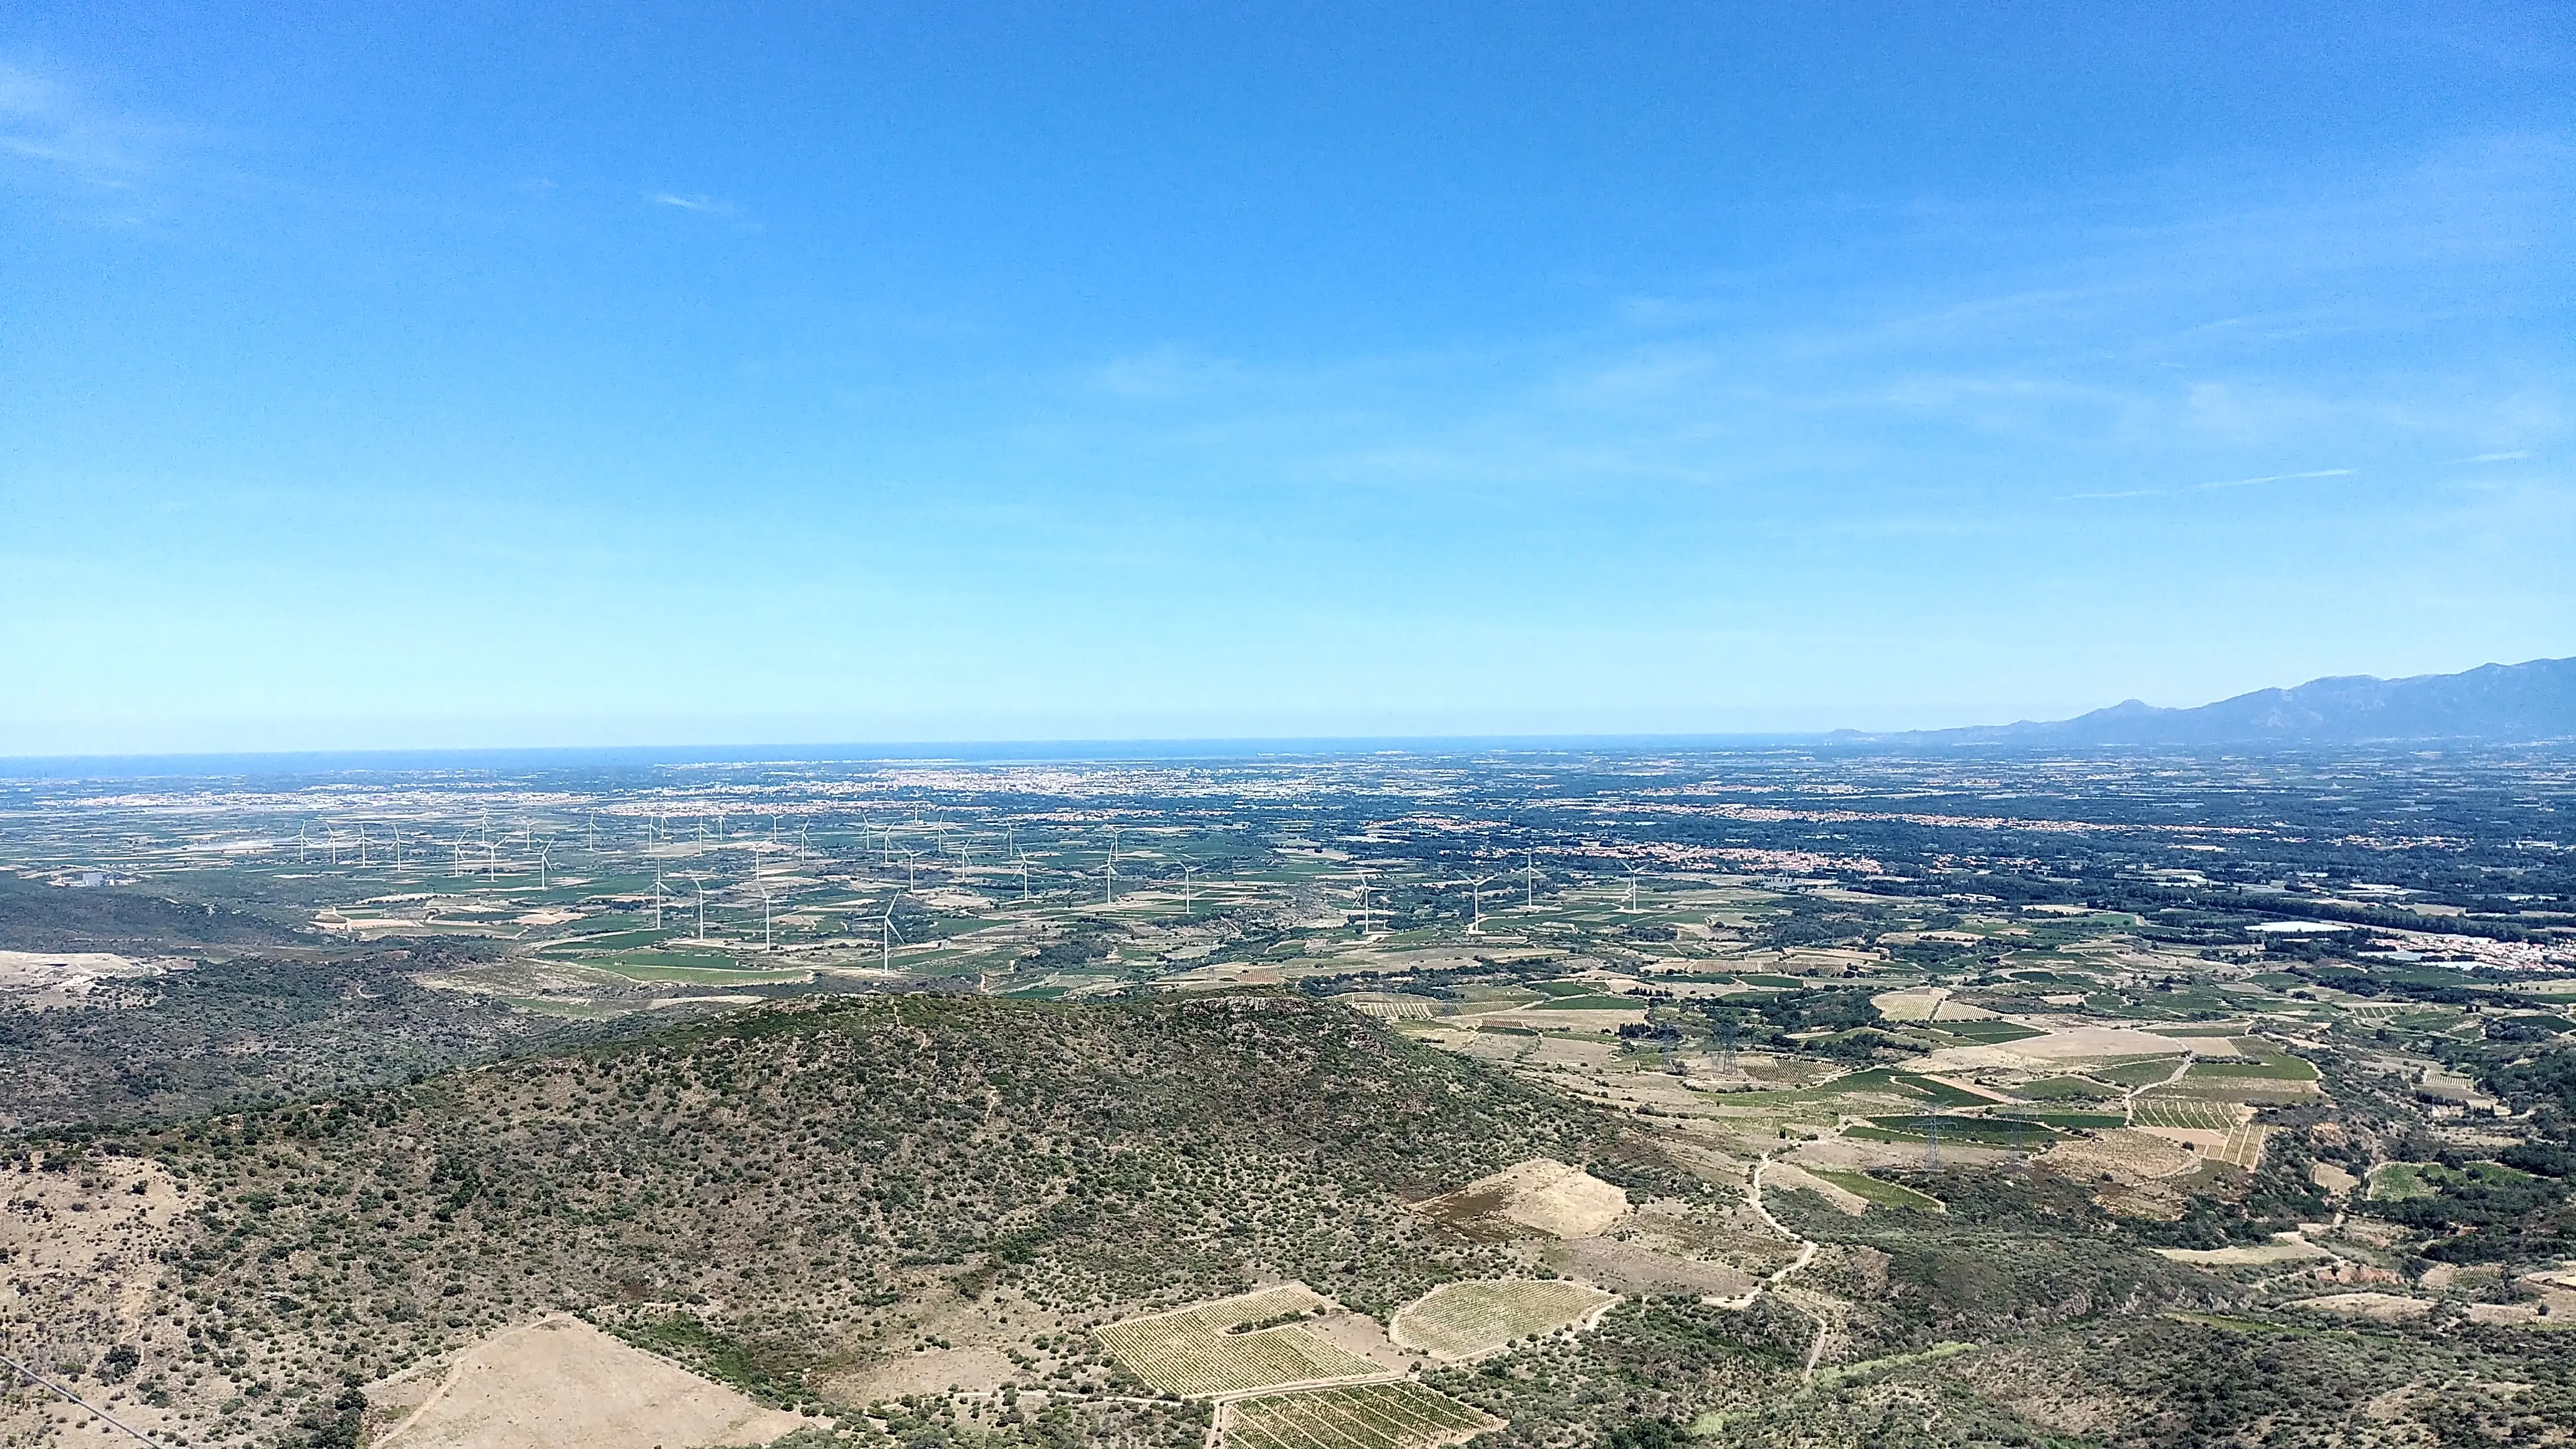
(2493, 703)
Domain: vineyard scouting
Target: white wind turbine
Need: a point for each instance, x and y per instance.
(1364, 910)
(701, 883)
(764, 918)
(1189, 903)
(1476, 903)
(886, 935)
(1631, 907)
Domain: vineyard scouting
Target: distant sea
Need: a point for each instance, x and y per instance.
(287, 764)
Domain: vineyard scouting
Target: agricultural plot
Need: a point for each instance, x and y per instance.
(1887, 1081)
(1396, 1415)
(2164, 1109)
(2138, 1072)
(1471, 1319)
(2066, 1089)
(2122, 1154)
(2065, 1120)
(1876, 1192)
(1988, 1033)
(1965, 1131)
(2275, 1068)
(2220, 1130)
(1390, 1005)
(1208, 1349)
(2398, 1181)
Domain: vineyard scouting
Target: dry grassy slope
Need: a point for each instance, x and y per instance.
(794, 1182)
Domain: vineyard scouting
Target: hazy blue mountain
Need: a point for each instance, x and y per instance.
(2497, 703)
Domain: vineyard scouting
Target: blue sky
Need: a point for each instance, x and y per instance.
(379, 376)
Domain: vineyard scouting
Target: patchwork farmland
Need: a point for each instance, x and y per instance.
(1366, 1416)
(1471, 1319)
(1212, 1349)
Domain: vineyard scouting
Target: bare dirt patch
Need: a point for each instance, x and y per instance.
(1542, 1193)
(2056, 1049)
(2283, 1249)
(2120, 1155)
(2382, 1307)
(51, 979)
(559, 1383)
(1637, 1269)
(80, 1243)
(973, 1368)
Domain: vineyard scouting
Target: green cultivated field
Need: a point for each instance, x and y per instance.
(1874, 1191)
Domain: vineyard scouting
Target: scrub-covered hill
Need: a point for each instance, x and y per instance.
(797, 1197)
(909, 1218)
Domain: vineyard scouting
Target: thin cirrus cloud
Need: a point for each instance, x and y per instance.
(54, 124)
(2219, 484)
(705, 205)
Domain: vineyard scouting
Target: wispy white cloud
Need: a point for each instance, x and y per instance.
(2271, 478)
(2515, 456)
(706, 205)
(61, 132)
(2220, 484)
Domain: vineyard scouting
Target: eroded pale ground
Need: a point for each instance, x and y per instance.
(559, 1383)
(51, 979)
(79, 1275)
(1542, 1193)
